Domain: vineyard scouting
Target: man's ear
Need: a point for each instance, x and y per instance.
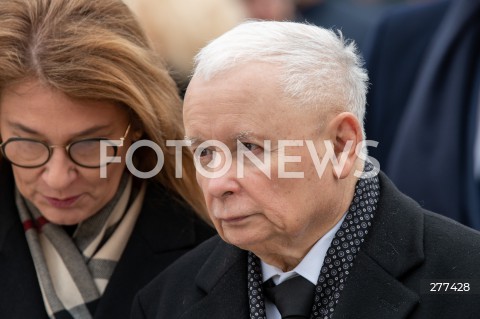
(345, 133)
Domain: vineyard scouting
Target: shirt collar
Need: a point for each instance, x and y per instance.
(310, 265)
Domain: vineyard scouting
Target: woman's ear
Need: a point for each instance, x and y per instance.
(346, 133)
(137, 134)
(136, 131)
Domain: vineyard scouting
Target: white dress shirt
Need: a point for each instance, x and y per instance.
(308, 268)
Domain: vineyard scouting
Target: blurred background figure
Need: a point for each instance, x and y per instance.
(178, 29)
(355, 19)
(423, 107)
(278, 10)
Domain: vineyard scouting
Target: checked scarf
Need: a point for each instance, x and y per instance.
(73, 271)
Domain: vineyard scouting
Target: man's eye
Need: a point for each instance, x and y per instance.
(205, 156)
(251, 147)
(205, 152)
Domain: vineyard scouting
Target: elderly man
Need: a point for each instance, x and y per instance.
(274, 115)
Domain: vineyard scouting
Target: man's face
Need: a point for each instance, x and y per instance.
(255, 212)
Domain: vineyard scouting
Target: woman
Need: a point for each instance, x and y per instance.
(80, 233)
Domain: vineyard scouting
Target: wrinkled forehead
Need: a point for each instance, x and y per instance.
(246, 81)
(248, 89)
(229, 106)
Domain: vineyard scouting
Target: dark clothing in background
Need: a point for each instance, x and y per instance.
(423, 63)
(355, 21)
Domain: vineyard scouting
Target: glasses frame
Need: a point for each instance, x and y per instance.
(66, 147)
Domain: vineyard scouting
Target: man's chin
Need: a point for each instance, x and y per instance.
(243, 241)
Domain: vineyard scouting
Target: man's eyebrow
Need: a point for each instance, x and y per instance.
(191, 140)
(242, 135)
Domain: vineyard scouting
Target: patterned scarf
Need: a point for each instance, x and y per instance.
(73, 271)
(338, 260)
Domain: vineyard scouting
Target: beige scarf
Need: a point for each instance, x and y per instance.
(73, 272)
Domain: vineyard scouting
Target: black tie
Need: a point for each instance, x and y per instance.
(293, 297)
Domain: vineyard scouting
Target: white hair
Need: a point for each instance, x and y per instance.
(318, 66)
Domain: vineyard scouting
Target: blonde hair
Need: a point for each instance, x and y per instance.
(96, 50)
(178, 29)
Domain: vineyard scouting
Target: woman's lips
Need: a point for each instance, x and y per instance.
(62, 202)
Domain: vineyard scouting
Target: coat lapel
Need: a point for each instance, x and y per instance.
(371, 292)
(394, 247)
(458, 15)
(223, 278)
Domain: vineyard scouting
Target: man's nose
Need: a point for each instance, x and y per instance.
(221, 185)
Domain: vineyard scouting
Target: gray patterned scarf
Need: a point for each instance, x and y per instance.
(338, 260)
(73, 271)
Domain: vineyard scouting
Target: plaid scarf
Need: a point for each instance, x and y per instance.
(73, 271)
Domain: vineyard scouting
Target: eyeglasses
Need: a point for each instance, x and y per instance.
(31, 153)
